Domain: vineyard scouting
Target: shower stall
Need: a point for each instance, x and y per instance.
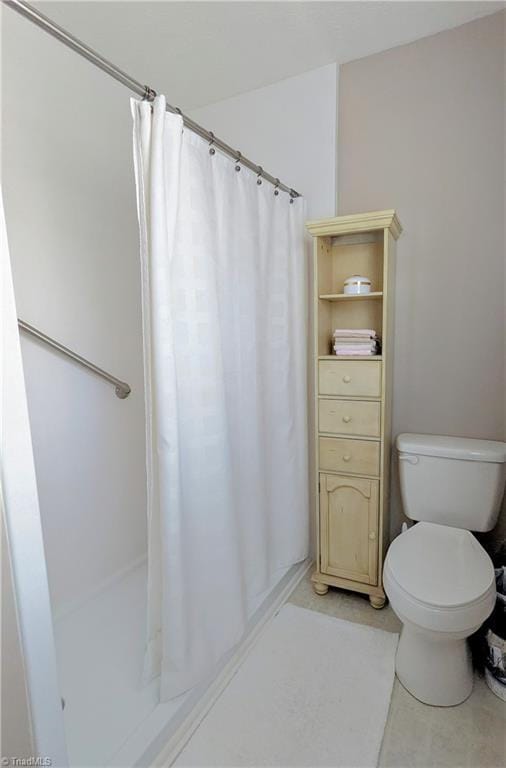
(81, 297)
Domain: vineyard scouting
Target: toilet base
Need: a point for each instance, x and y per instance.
(434, 667)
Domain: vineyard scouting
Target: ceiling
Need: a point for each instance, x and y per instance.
(198, 53)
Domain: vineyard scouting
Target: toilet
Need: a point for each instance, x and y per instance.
(437, 576)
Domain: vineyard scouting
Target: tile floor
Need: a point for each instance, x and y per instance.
(472, 735)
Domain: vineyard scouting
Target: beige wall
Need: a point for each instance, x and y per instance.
(421, 129)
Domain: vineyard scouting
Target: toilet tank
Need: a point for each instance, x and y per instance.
(453, 481)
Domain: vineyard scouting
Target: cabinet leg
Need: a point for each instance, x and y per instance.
(320, 588)
(377, 602)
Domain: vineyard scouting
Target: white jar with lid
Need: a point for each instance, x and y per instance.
(357, 285)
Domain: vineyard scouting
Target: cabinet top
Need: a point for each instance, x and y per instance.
(356, 222)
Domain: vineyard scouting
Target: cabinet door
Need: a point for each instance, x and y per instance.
(349, 527)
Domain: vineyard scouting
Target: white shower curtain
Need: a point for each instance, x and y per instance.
(224, 318)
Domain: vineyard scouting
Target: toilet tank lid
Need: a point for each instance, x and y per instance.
(444, 446)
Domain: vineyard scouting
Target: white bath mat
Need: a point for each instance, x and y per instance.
(314, 691)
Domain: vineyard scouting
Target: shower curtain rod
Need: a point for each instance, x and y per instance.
(45, 23)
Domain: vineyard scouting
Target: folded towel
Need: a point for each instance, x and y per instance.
(355, 333)
(355, 352)
(357, 346)
(365, 347)
(356, 343)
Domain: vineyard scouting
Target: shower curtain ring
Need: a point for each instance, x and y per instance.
(276, 190)
(212, 150)
(238, 158)
(149, 94)
(293, 195)
(260, 171)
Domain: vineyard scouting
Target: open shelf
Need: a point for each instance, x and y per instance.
(337, 259)
(351, 296)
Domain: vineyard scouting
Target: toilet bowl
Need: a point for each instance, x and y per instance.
(441, 585)
(437, 576)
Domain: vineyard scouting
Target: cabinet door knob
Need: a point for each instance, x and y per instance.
(346, 457)
(372, 535)
(346, 419)
(346, 379)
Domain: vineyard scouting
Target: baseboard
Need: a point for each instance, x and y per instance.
(74, 605)
(187, 727)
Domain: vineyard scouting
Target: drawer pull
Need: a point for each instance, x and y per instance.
(346, 419)
(346, 379)
(372, 535)
(347, 457)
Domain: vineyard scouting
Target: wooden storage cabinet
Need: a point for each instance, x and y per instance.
(352, 441)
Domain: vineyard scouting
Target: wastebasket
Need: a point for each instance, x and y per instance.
(494, 640)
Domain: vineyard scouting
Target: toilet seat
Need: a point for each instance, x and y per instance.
(440, 578)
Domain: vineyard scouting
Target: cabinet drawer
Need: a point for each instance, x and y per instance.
(349, 417)
(361, 457)
(357, 378)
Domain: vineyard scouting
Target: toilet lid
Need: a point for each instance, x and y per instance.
(440, 566)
